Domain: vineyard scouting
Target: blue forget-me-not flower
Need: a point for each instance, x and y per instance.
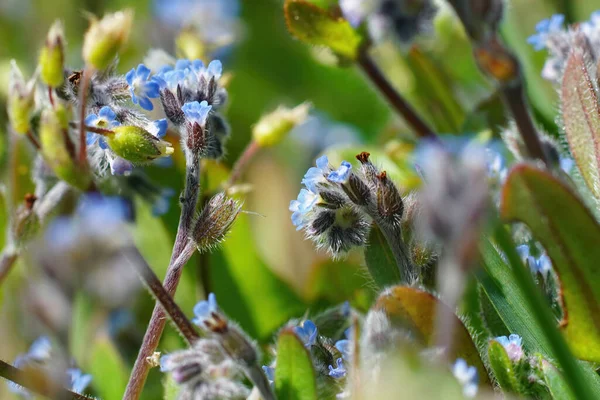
(339, 371)
(307, 333)
(142, 89)
(544, 29)
(105, 119)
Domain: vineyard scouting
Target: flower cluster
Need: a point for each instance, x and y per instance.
(466, 376)
(558, 40)
(541, 264)
(513, 346)
(41, 357)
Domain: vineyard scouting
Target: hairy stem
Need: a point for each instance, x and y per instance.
(83, 89)
(161, 295)
(183, 249)
(419, 127)
(43, 387)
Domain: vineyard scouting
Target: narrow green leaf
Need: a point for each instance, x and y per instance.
(570, 235)
(316, 26)
(294, 374)
(503, 368)
(558, 387)
(493, 322)
(581, 116)
(380, 260)
(108, 370)
(412, 307)
(510, 303)
(171, 388)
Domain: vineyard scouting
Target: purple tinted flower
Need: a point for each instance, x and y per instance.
(339, 371)
(142, 89)
(512, 345)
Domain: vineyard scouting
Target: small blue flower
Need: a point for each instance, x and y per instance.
(541, 265)
(339, 371)
(300, 207)
(307, 333)
(105, 119)
(214, 69)
(162, 202)
(341, 174)
(119, 166)
(78, 380)
(316, 175)
(270, 373)
(142, 89)
(159, 128)
(39, 352)
(466, 376)
(544, 29)
(513, 346)
(196, 112)
(204, 310)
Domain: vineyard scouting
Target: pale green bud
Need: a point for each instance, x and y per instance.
(58, 150)
(190, 46)
(106, 37)
(272, 128)
(137, 145)
(52, 56)
(21, 100)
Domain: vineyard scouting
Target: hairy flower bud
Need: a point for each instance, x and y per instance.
(58, 150)
(52, 56)
(21, 100)
(105, 37)
(389, 201)
(214, 221)
(137, 145)
(272, 128)
(25, 223)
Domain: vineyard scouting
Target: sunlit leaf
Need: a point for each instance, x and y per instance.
(316, 26)
(294, 374)
(570, 235)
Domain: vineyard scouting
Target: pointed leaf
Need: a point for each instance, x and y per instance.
(558, 387)
(380, 260)
(413, 307)
(294, 374)
(502, 367)
(107, 369)
(581, 116)
(315, 26)
(570, 235)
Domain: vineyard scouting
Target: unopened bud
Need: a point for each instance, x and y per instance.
(105, 37)
(21, 100)
(272, 128)
(190, 46)
(52, 56)
(214, 222)
(25, 223)
(389, 201)
(137, 145)
(57, 148)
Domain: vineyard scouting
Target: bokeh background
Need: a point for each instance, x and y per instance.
(265, 273)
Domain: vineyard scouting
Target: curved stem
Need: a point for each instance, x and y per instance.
(419, 127)
(241, 164)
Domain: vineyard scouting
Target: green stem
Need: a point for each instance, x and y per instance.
(545, 319)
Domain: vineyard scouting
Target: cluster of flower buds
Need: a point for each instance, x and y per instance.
(403, 19)
(337, 206)
(214, 221)
(42, 362)
(212, 367)
(551, 34)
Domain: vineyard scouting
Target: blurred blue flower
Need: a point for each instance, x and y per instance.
(119, 166)
(513, 345)
(544, 29)
(162, 202)
(339, 371)
(39, 353)
(196, 112)
(269, 373)
(341, 174)
(142, 89)
(466, 376)
(307, 333)
(541, 264)
(105, 119)
(78, 380)
(344, 346)
(316, 175)
(214, 69)
(204, 310)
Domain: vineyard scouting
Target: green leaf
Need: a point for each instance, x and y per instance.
(570, 235)
(489, 314)
(380, 260)
(502, 367)
(581, 116)
(509, 301)
(315, 26)
(171, 388)
(108, 370)
(558, 387)
(412, 307)
(294, 374)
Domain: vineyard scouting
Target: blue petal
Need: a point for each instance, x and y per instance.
(120, 166)
(107, 113)
(341, 174)
(142, 72)
(102, 143)
(339, 371)
(145, 103)
(152, 89)
(91, 120)
(161, 125)
(322, 162)
(130, 76)
(182, 64)
(40, 349)
(91, 138)
(215, 68)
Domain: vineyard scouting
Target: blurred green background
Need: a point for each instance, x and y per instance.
(266, 272)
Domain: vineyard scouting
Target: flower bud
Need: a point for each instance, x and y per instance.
(57, 148)
(215, 221)
(20, 100)
(272, 128)
(52, 56)
(106, 37)
(25, 223)
(137, 145)
(190, 46)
